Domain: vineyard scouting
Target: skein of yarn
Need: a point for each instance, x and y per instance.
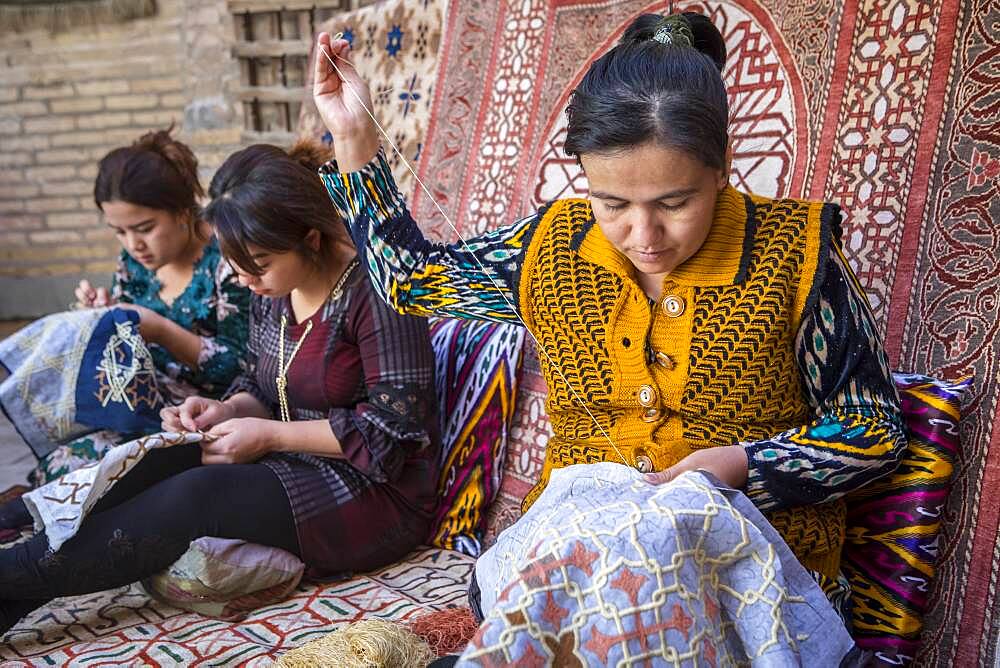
(370, 643)
(446, 631)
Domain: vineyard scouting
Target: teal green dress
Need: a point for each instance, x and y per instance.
(213, 306)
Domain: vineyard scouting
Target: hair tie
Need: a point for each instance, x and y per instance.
(674, 30)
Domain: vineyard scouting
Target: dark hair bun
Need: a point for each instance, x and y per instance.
(310, 153)
(155, 171)
(271, 198)
(252, 161)
(174, 152)
(707, 38)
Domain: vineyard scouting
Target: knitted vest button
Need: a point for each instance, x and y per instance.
(651, 415)
(664, 360)
(644, 464)
(673, 306)
(647, 396)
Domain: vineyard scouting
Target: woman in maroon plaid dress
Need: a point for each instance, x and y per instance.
(326, 446)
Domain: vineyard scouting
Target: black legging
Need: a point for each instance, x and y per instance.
(142, 525)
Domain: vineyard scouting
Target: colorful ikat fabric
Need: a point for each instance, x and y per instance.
(893, 525)
(476, 366)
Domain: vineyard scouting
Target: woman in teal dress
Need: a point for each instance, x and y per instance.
(213, 307)
(193, 313)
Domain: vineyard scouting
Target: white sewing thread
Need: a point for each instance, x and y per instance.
(579, 399)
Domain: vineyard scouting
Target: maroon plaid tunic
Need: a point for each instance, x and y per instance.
(370, 372)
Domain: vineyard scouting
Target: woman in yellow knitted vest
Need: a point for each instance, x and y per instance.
(683, 325)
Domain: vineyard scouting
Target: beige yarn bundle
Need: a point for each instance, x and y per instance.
(370, 643)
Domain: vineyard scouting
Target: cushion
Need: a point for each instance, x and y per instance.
(227, 579)
(893, 524)
(476, 366)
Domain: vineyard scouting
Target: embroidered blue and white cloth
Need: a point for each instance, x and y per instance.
(607, 569)
(74, 372)
(116, 387)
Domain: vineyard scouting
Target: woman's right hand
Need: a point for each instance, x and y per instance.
(195, 414)
(87, 296)
(344, 102)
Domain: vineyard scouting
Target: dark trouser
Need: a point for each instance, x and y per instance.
(142, 525)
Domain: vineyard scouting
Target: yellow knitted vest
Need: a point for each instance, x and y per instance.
(711, 364)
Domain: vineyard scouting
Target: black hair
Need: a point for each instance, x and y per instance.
(156, 171)
(272, 199)
(643, 90)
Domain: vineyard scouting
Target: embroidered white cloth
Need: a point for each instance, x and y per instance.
(607, 569)
(59, 507)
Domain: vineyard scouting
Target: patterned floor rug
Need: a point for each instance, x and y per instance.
(123, 627)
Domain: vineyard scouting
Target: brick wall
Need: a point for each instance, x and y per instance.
(67, 99)
(64, 102)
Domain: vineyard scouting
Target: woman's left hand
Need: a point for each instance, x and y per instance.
(150, 322)
(728, 464)
(238, 441)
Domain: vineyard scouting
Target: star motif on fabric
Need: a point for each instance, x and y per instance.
(601, 643)
(580, 557)
(126, 373)
(394, 42)
(630, 583)
(553, 613)
(711, 607)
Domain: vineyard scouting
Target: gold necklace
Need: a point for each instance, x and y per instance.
(281, 380)
(338, 289)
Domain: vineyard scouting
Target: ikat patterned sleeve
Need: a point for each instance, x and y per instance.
(857, 435)
(415, 275)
